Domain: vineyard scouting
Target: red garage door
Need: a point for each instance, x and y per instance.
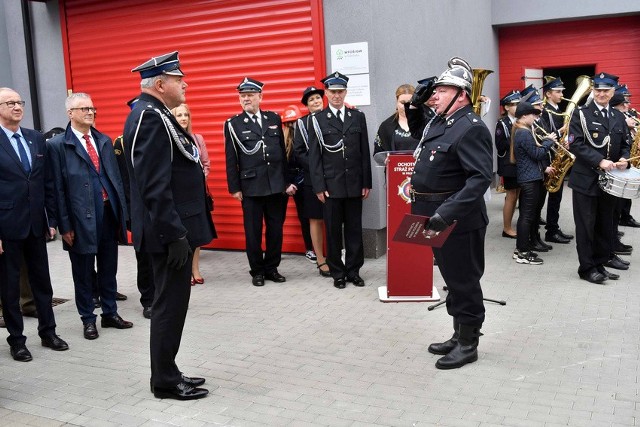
(609, 45)
(279, 42)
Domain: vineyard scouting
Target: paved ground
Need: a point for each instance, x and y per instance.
(561, 352)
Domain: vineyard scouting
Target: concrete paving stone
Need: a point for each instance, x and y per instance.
(280, 403)
(189, 422)
(483, 418)
(457, 422)
(326, 420)
(265, 419)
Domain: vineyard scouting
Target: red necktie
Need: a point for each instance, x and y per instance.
(93, 155)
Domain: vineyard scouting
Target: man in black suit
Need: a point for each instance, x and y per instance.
(24, 225)
(598, 138)
(169, 216)
(91, 211)
(144, 277)
(552, 121)
(256, 164)
(340, 167)
(454, 168)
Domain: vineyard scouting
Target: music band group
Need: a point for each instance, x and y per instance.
(322, 159)
(538, 146)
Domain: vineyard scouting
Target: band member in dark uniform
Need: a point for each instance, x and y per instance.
(598, 139)
(552, 121)
(632, 122)
(454, 167)
(169, 215)
(340, 166)
(256, 170)
(506, 169)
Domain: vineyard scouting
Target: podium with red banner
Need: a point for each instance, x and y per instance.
(409, 266)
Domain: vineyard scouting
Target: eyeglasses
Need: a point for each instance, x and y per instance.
(85, 109)
(12, 104)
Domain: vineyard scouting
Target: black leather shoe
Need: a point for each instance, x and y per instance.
(340, 283)
(20, 353)
(54, 342)
(258, 280)
(90, 331)
(356, 280)
(594, 277)
(120, 297)
(96, 302)
(620, 259)
(275, 277)
(630, 222)
(565, 235)
(115, 321)
(193, 381)
(616, 263)
(182, 391)
(622, 249)
(536, 246)
(556, 238)
(146, 312)
(608, 274)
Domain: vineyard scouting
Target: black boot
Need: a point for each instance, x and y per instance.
(465, 351)
(447, 346)
(541, 243)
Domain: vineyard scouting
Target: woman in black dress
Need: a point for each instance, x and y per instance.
(393, 134)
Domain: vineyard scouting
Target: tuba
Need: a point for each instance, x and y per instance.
(476, 88)
(563, 159)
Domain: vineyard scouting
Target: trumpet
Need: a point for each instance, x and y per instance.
(629, 115)
(539, 131)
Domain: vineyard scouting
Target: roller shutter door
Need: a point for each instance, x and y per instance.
(609, 44)
(279, 42)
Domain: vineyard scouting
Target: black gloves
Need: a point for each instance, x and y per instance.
(179, 251)
(423, 92)
(436, 223)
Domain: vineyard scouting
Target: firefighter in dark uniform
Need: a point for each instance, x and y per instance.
(169, 215)
(625, 215)
(552, 121)
(144, 278)
(598, 138)
(454, 167)
(256, 165)
(340, 168)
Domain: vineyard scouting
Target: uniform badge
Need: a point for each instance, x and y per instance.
(246, 120)
(475, 120)
(433, 154)
(117, 152)
(450, 122)
(273, 127)
(328, 115)
(570, 138)
(349, 113)
(602, 75)
(595, 134)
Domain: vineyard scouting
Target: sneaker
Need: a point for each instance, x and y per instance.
(528, 258)
(311, 256)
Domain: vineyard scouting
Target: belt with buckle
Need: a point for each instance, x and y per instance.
(429, 197)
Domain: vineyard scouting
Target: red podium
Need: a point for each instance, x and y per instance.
(409, 267)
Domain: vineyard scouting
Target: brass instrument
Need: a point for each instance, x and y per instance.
(557, 145)
(564, 159)
(634, 155)
(629, 115)
(479, 75)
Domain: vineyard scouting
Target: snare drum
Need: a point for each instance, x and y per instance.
(621, 183)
